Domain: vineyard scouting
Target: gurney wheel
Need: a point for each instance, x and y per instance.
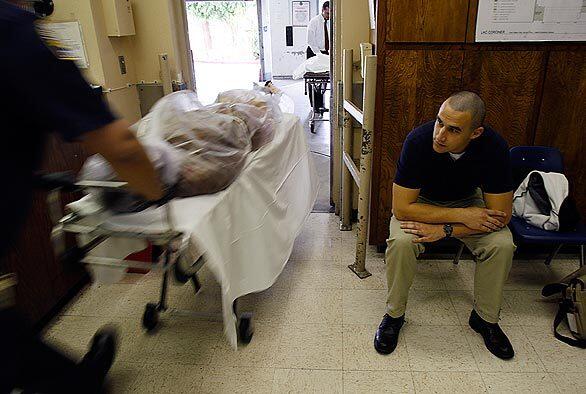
(150, 318)
(196, 284)
(245, 328)
(180, 276)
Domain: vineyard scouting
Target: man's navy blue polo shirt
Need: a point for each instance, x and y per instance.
(485, 165)
(40, 95)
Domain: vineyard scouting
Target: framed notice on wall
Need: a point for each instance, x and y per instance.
(531, 20)
(66, 41)
(301, 13)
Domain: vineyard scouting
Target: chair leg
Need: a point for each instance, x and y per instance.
(582, 256)
(459, 254)
(553, 254)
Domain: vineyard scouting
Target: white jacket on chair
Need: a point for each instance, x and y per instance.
(557, 188)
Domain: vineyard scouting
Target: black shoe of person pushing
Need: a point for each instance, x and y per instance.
(97, 362)
(387, 335)
(495, 339)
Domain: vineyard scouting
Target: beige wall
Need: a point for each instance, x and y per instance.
(352, 24)
(355, 27)
(81, 10)
(154, 22)
(123, 99)
(152, 19)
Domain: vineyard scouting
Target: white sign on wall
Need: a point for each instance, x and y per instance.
(301, 13)
(66, 40)
(531, 20)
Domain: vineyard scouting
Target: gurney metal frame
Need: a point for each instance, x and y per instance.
(313, 82)
(168, 242)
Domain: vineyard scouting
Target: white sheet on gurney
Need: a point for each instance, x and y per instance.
(316, 64)
(246, 231)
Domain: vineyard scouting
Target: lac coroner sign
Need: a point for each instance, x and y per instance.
(531, 20)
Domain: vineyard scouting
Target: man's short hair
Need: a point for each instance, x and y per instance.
(469, 102)
(326, 5)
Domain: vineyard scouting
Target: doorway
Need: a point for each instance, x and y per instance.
(225, 45)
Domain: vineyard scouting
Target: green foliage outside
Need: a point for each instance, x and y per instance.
(227, 12)
(216, 10)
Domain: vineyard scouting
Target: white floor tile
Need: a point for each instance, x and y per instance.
(438, 348)
(368, 382)
(363, 306)
(319, 306)
(430, 308)
(307, 381)
(519, 383)
(448, 382)
(555, 355)
(310, 346)
(237, 380)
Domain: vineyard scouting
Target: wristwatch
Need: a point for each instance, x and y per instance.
(448, 229)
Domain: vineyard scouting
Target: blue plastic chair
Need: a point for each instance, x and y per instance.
(525, 159)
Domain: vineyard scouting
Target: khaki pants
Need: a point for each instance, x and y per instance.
(493, 253)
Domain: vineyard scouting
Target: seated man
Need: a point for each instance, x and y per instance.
(453, 180)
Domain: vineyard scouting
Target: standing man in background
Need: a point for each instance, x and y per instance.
(52, 97)
(318, 41)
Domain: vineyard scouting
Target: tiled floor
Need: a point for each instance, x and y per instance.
(315, 326)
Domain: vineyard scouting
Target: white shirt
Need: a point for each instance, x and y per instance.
(456, 156)
(316, 39)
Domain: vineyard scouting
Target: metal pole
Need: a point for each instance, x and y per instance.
(345, 223)
(165, 73)
(365, 167)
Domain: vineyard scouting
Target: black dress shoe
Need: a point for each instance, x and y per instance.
(98, 360)
(494, 338)
(387, 335)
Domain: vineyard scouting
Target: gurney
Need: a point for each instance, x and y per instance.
(316, 82)
(244, 234)
(315, 72)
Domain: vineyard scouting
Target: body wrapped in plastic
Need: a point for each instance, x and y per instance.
(260, 112)
(213, 147)
(196, 149)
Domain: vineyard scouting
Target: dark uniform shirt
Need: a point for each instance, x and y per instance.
(40, 94)
(485, 165)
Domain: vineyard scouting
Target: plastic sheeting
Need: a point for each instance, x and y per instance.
(196, 149)
(320, 63)
(258, 110)
(246, 231)
(213, 143)
(165, 159)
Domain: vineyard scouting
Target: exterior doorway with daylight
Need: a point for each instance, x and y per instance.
(224, 37)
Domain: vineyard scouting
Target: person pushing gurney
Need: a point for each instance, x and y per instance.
(318, 41)
(53, 97)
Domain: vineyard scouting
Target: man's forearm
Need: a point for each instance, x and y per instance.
(123, 151)
(426, 213)
(140, 175)
(461, 230)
